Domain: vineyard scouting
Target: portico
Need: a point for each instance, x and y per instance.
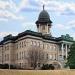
(65, 47)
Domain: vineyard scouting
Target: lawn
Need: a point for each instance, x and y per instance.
(37, 72)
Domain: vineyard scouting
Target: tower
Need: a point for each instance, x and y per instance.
(44, 23)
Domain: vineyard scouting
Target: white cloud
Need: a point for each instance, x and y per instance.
(68, 26)
(56, 6)
(73, 35)
(4, 5)
(6, 15)
(29, 26)
(22, 4)
(62, 27)
(3, 34)
(3, 19)
(61, 7)
(52, 5)
(7, 5)
(8, 11)
(12, 5)
(71, 24)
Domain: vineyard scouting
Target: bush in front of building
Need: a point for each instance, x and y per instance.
(6, 66)
(47, 67)
(1, 66)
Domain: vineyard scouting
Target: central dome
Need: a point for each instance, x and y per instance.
(44, 17)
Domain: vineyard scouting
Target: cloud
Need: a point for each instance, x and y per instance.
(4, 5)
(73, 35)
(23, 4)
(57, 6)
(63, 27)
(29, 26)
(3, 19)
(69, 25)
(7, 5)
(69, 28)
(72, 24)
(3, 34)
(8, 11)
(9, 15)
(61, 7)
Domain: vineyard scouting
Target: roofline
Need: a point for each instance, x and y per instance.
(32, 33)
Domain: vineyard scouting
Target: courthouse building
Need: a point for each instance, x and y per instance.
(13, 49)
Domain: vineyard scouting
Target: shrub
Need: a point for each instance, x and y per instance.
(72, 66)
(6, 66)
(47, 67)
(1, 66)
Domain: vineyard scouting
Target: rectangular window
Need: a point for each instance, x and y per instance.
(54, 57)
(22, 44)
(20, 55)
(43, 27)
(47, 46)
(47, 56)
(24, 55)
(7, 57)
(17, 56)
(54, 47)
(34, 43)
(38, 64)
(20, 64)
(5, 48)
(38, 43)
(50, 56)
(16, 46)
(43, 46)
(60, 57)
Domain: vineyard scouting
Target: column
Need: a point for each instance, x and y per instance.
(62, 50)
(47, 29)
(66, 50)
(39, 28)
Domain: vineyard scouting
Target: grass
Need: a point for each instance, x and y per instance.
(37, 72)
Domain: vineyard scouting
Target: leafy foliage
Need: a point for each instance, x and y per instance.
(71, 57)
(47, 67)
(6, 66)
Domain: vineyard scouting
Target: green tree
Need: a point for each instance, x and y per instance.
(71, 57)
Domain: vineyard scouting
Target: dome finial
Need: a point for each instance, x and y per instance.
(43, 7)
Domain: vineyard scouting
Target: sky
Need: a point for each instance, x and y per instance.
(17, 16)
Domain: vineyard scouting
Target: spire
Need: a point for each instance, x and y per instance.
(43, 7)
